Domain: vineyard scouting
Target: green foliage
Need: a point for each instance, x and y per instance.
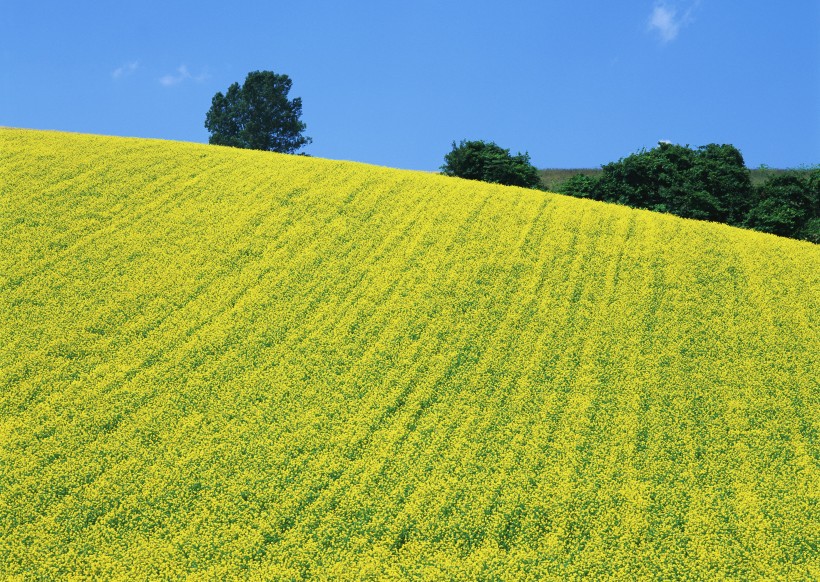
(788, 205)
(488, 162)
(554, 179)
(579, 185)
(721, 172)
(258, 115)
(709, 183)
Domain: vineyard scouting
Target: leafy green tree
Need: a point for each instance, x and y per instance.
(709, 183)
(788, 205)
(488, 162)
(721, 172)
(258, 115)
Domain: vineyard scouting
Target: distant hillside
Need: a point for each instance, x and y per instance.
(220, 363)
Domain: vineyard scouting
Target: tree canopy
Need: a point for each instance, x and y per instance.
(488, 162)
(788, 204)
(711, 182)
(708, 183)
(258, 115)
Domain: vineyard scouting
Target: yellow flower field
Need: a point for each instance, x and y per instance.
(221, 363)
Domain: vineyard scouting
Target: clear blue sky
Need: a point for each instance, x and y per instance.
(574, 83)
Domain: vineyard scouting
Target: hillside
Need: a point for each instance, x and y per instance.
(227, 363)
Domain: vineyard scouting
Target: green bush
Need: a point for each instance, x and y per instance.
(579, 185)
(488, 162)
(708, 183)
(788, 205)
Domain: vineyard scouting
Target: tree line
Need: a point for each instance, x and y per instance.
(709, 182)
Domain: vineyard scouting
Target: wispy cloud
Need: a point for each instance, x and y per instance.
(182, 75)
(125, 70)
(667, 21)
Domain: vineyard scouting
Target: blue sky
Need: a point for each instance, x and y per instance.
(576, 84)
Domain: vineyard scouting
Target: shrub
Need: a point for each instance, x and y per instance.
(488, 162)
(709, 183)
(788, 205)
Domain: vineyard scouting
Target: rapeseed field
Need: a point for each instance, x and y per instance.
(219, 363)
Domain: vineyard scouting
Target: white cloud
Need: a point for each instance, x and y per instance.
(663, 20)
(667, 21)
(182, 75)
(125, 70)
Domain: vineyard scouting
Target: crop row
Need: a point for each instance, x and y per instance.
(223, 363)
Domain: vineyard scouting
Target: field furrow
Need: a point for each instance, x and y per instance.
(218, 363)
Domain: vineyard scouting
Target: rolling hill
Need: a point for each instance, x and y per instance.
(222, 363)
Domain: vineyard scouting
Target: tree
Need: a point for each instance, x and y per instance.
(709, 183)
(721, 172)
(788, 204)
(258, 115)
(479, 160)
